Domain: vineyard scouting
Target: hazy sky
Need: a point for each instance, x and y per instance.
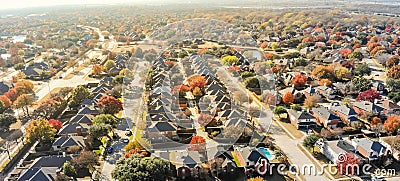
(12, 4)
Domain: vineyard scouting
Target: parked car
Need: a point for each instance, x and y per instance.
(125, 140)
(110, 150)
(128, 132)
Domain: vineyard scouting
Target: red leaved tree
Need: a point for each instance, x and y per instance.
(56, 124)
(368, 95)
(110, 105)
(347, 164)
(198, 143)
(180, 89)
(299, 80)
(392, 124)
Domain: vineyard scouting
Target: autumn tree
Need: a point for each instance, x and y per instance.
(375, 121)
(110, 105)
(345, 52)
(288, 98)
(79, 94)
(311, 101)
(196, 81)
(198, 143)
(6, 101)
(48, 107)
(394, 72)
(323, 72)
(392, 61)
(24, 87)
(392, 124)
(56, 124)
(12, 94)
(109, 65)
(197, 92)
(347, 164)
(85, 160)
(325, 82)
(40, 130)
(24, 101)
(368, 95)
(229, 60)
(299, 80)
(97, 69)
(342, 73)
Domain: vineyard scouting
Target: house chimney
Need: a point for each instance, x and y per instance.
(375, 101)
(324, 84)
(79, 130)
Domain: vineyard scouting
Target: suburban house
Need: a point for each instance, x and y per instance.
(332, 149)
(74, 129)
(327, 92)
(369, 149)
(389, 107)
(325, 117)
(345, 113)
(161, 131)
(44, 168)
(366, 107)
(387, 142)
(301, 119)
(62, 143)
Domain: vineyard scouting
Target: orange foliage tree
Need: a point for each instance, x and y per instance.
(394, 72)
(197, 81)
(299, 80)
(325, 82)
(392, 124)
(198, 143)
(345, 52)
(97, 69)
(375, 121)
(6, 101)
(288, 98)
(392, 61)
(12, 94)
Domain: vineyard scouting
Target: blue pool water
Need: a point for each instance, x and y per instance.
(266, 152)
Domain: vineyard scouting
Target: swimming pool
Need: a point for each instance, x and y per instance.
(266, 152)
